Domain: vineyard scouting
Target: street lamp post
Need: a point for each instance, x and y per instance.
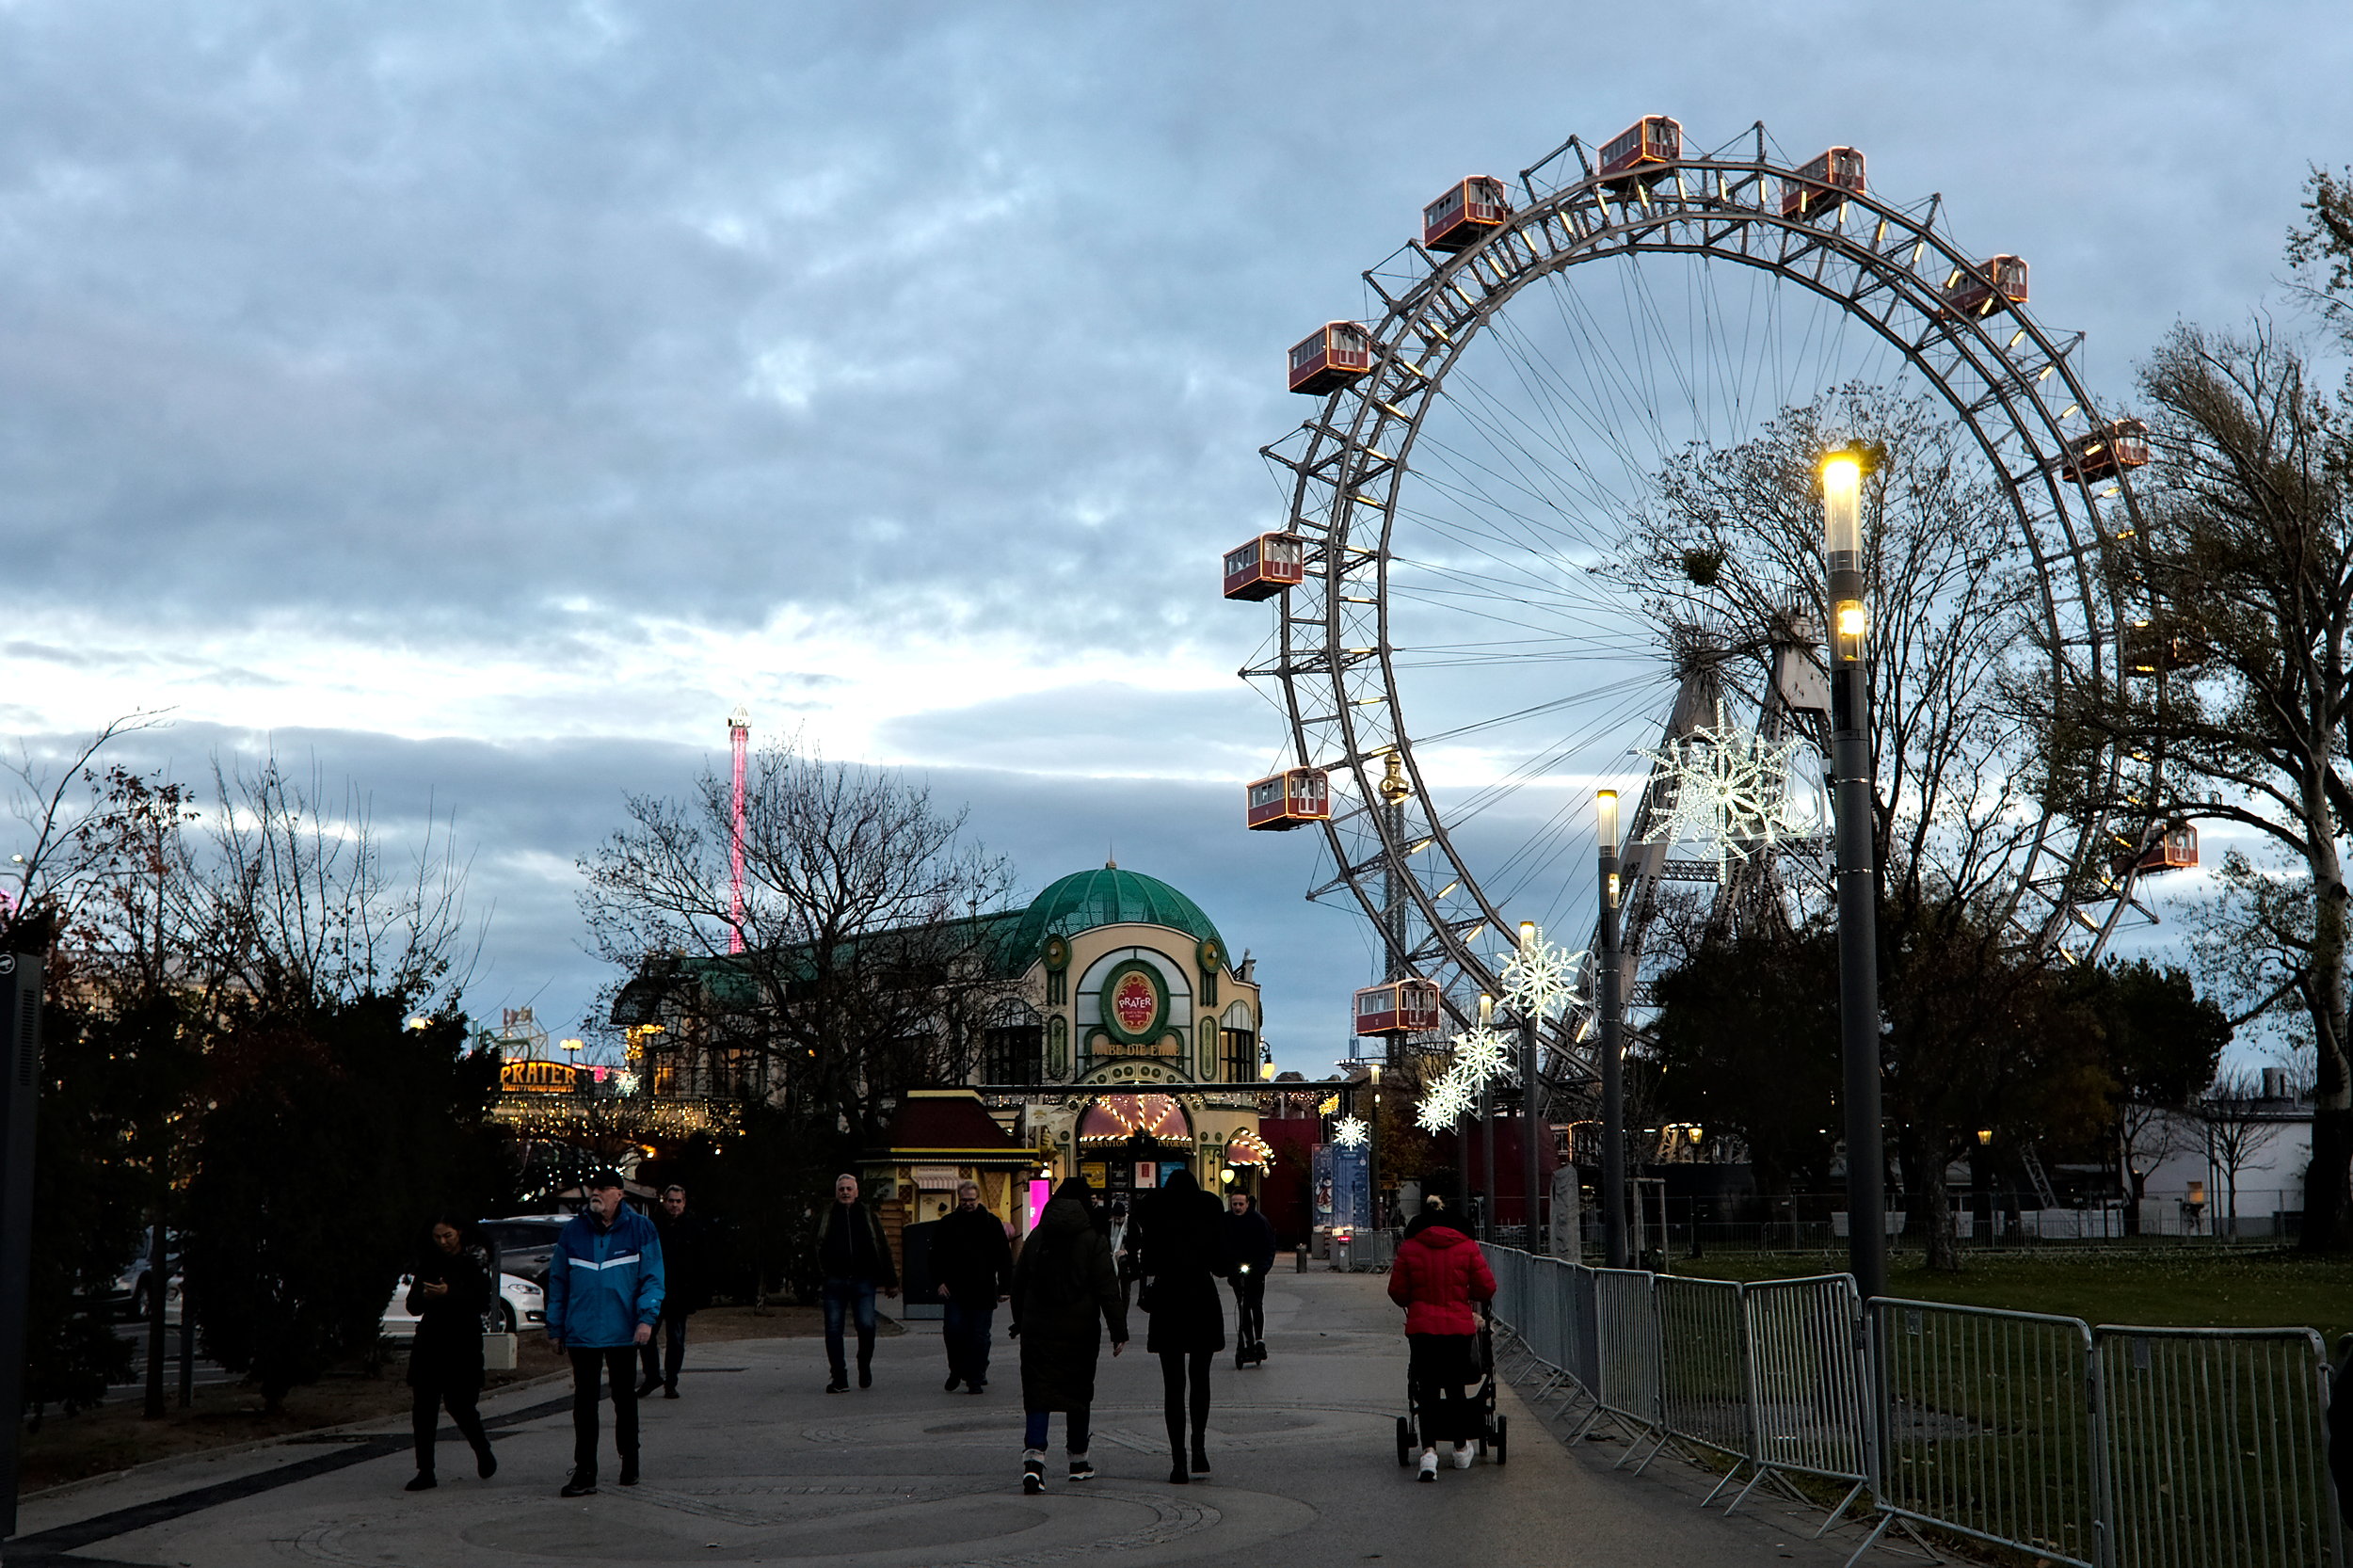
(1372, 1150)
(1529, 1199)
(1858, 956)
(1612, 1079)
(1487, 1134)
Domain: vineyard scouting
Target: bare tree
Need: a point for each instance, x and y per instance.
(868, 957)
(2238, 1128)
(2243, 572)
(58, 810)
(304, 910)
(1731, 544)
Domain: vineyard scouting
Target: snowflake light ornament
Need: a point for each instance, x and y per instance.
(1731, 790)
(1481, 1054)
(1540, 978)
(1349, 1132)
(1442, 1104)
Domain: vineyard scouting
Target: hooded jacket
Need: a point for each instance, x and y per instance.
(1439, 1276)
(602, 1283)
(1065, 1293)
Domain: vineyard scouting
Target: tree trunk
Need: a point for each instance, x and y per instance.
(2325, 1180)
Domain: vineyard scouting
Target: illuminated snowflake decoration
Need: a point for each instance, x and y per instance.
(626, 1083)
(1480, 1056)
(1442, 1104)
(1349, 1132)
(1730, 789)
(1540, 978)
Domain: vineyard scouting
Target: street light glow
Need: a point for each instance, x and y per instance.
(1606, 819)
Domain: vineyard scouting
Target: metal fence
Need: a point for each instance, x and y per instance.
(2107, 1448)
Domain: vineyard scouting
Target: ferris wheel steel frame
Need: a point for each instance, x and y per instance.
(2009, 381)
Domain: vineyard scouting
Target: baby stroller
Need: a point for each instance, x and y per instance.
(1470, 1419)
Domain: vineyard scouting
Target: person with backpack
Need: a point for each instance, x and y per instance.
(1066, 1295)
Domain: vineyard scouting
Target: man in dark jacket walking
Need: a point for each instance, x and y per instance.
(604, 1296)
(684, 1290)
(855, 1257)
(973, 1263)
(1250, 1243)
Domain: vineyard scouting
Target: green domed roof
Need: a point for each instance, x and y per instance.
(1085, 900)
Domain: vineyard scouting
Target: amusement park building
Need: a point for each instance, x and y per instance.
(1114, 999)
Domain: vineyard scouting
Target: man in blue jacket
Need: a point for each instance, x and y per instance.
(604, 1296)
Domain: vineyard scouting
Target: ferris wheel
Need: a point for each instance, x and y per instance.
(1468, 638)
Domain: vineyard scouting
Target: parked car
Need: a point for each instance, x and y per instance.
(527, 1242)
(127, 1297)
(520, 1305)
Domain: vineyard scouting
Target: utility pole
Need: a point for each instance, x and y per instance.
(20, 1092)
(1858, 893)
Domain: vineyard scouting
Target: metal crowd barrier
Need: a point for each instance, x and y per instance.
(1985, 1427)
(2208, 1439)
(1703, 1368)
(1806, 1383)
(2119, 1447)
(1627, 1313)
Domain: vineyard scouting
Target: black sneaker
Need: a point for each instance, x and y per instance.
(977, 1388)
(1033, 1476)
(1082, 1469)
(486, 1463)
(646, 1385)
(629, 1471)
(582, 1485)
(421, 1482)
(836, 1386)
(669, 1390)
(954, 1382)
(865, 1376)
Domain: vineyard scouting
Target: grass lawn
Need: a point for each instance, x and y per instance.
(2157, 1285)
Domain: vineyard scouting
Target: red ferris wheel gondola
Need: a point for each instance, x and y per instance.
(1335, 354)
(1466, 213)
(1824, 182)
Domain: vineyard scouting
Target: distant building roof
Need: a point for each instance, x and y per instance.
(1085, 900)
(949, 1122)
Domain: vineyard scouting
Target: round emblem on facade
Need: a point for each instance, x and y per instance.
(1135, 1002)
(1057, 952)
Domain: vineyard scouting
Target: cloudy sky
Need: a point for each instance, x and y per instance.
(480, 400)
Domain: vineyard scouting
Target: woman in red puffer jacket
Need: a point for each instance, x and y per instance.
(1440, 1278)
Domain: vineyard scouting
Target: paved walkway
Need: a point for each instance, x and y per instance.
(756, 1463)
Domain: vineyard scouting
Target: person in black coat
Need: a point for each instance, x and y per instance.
(1179, 1244)
(1250, 1245)
(1064, 1296)
(972, 1263)
(684, 1246)
(447, 1295)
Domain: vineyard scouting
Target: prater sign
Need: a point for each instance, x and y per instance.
(1134, 1001)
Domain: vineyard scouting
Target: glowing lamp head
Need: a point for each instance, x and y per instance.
(1841, 510)
(1606, 819)
(1854, 619)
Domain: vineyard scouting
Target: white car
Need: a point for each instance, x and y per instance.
(522, 1304)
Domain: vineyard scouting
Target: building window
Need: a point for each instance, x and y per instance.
(1056, 986)
(1241, 1056)
(1012, 1054)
